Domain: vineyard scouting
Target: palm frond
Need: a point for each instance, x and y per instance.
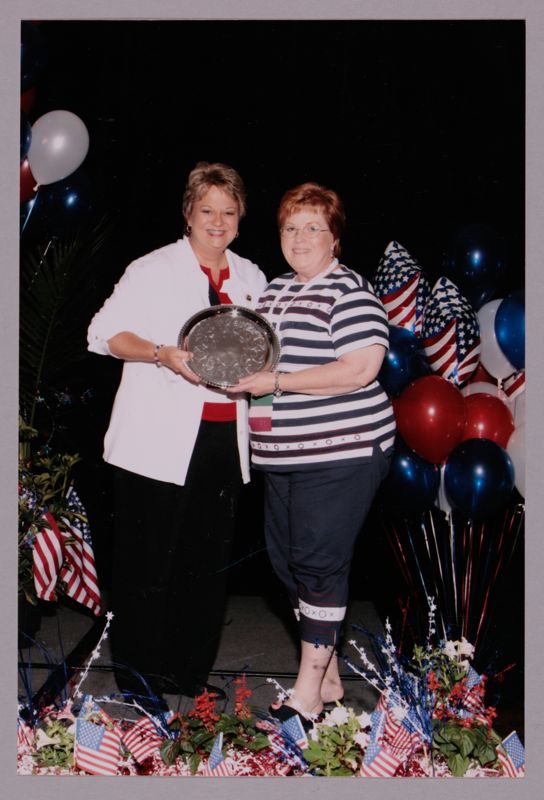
(57, 296)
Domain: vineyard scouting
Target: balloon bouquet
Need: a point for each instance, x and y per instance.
(452, 509)
(52, 193)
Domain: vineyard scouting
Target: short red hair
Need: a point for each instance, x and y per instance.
(312, 195)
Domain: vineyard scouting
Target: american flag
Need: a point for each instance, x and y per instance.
(293, 729)
(450, 333)
(514, 385)
(79, 571)
(286, 757)
(401, 734)
(143, 739)
(217, 765)
(402, 288)
(511, 755)
(47, 558)
(378, 762)
(97, 743)
(25, 734)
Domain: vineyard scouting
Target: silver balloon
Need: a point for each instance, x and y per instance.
(59, 144)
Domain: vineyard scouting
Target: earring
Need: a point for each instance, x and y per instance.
(237, 234)
(188, 230)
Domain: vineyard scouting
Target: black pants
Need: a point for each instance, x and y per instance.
(312, 519)
(171, 554)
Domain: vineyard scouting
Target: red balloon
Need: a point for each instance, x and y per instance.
(28, 99)
(430, 416)
(481, 375)
(487, 417)
(27, 182)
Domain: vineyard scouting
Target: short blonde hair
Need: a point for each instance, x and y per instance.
(205, 175)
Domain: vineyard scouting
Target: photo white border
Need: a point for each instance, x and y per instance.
(43, 788)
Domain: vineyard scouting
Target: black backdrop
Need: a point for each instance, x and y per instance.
(418, 125)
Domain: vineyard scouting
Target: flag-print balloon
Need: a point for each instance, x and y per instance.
(450, 333)
(402, 287)
(514, 389)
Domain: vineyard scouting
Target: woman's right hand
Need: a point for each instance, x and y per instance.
(131, 347)
(177, 360)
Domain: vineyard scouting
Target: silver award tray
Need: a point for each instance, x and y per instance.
(228, 342)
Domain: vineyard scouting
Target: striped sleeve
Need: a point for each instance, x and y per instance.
(358, 319)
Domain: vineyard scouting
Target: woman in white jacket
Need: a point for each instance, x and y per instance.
(179, 448)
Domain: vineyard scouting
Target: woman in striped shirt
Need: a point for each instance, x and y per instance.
(321, 428)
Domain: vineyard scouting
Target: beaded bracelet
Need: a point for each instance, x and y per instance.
(156, 355)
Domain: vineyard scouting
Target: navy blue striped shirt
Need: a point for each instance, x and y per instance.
(316, 324)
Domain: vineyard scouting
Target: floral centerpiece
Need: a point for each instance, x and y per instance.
(430, 721)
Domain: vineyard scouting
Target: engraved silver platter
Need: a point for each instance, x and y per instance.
(228, 342)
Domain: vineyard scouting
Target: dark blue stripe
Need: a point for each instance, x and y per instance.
(310, 437)
(322, 402)
(306, 361)
(357, 337)
(291, 341)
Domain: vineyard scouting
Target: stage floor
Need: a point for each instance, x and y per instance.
(257, 639)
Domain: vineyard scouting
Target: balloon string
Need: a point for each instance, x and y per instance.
(400, 556)
(508, 524)
(439, 562)
(32, 204)
(426, 592)
(453, 570)
(468, 578)
(404, 616)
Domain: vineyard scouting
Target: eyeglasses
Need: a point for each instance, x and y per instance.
(310, 230)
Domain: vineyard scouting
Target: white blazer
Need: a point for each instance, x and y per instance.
(156, 413)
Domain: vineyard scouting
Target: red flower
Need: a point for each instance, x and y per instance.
(432, 681)
(204, 710)
(242, 693)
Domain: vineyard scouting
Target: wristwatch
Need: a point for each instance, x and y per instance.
(277, 391)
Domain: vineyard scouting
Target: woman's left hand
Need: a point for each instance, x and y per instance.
(257, 384)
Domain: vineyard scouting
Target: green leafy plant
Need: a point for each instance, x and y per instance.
(195, 732)
(55, 744)
(57, 299)
(461, 746)
(194, 740)
(333, 750)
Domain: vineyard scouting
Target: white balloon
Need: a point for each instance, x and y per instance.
(484, 387)
(491, 355)
(517, 407)
(516, 450)
(59, 144)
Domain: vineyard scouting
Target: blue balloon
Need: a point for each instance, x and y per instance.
(33, 54)
(510, 328)
(478, 477)
(403, 362)
(59, 208)
(26, 135)
(475, 261)
(412, 483)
